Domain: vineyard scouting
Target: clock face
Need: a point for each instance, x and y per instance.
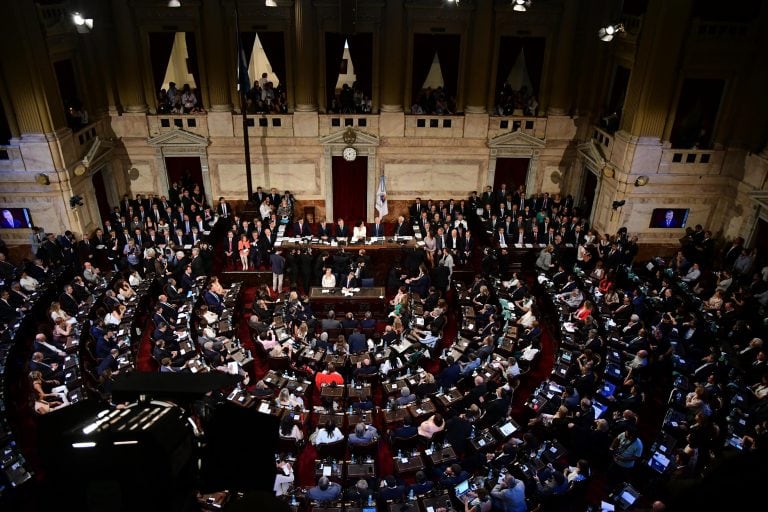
(349, 154)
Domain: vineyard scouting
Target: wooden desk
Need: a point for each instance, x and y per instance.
(322, 467)
(337, 418)
(372, 299)
(422, 409)
(408, 464)
(436, 502)
(332, 392)
(396, 415)
(448, 399)
(404, 507)
(361, 470)
(338, 360)
(484, 441)
(443, 455)
(359, 391)
(275, 380)
(356, 417)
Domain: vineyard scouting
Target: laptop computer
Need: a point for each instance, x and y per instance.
(461, 488)
(599, 408)
(607, 389)
(658, 462)
(508, 428)
(627, 496)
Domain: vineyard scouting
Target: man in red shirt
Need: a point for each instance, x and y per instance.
(330, 375)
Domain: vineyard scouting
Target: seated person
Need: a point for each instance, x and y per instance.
(391, 490)
(328, 433)
(406, 397)
(363, 434)
(431, 426)
(325, 490)
(329, 376)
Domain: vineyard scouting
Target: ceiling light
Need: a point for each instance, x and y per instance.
(607, 33)
(270, 3)
(520, 5)
(174, 3)
(78, 19)
(641, 181)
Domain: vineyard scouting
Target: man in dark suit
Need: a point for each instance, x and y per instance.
(402, 228)
(377, 228)
(223, 209)
(323, 230)
(68, 302)
(350, 281)
(488, 196)
(213, 301)
(274, 197)
(259, 196)
(416, 209)
(301, 228)
(8, 221)
(500, 238)
(342, 230)
(8, 313)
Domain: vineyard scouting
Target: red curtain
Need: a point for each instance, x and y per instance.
(512, 171)
(350, 184)
(179, 166)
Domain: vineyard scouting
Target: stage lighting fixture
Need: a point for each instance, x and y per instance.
(521, 5)
(608, 32)
(174, 3)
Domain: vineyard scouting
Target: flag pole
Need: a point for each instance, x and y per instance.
(243, 105)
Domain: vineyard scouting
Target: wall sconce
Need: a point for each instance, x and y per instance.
(42, 179)
(607, 33)
(641, 181)
(520, 5)
(618, 204)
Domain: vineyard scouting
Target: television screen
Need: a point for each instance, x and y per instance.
(15, 218)
(669, 218)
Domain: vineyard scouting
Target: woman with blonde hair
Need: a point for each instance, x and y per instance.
(61, 332)
(44, 402)
(56, 313)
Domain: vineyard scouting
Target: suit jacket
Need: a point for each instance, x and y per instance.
(220, 209)
(341, 231)
(403, 229)
(415, 211)
(323, 230)
(302, 229)
(376, 230)
(68, 304)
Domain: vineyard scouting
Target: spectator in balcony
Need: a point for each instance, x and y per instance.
(188, 99)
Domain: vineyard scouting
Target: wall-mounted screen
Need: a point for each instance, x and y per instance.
(15, 218)
(669, 217)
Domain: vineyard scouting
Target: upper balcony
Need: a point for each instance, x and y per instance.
(692, 161)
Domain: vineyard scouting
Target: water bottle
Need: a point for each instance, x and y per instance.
(399, 454)
(370, 500)
(490, 474)
(334, 467)
(294, 503)
(410, 495)
(350, 408)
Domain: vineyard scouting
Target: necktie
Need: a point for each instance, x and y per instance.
(224, 209)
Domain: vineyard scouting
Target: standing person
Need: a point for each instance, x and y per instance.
(626, 450)
(278, 268)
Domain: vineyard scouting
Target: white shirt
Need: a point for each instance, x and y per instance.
(358, 232)
(328, 281)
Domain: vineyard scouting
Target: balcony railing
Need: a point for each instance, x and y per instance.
(603, 139)
(262, 125)
(330, 123)
(691, 161)
(434, 126)
(197, 124)
(719, 30)
(536, 126)
(10, 158)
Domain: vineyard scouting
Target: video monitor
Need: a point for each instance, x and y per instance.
(672, 218)
(15, 218)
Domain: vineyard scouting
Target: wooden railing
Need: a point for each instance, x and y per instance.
(499, 125)
(330, 123)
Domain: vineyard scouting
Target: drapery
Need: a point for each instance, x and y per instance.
(334, 53)
(361, 51)
(509, 51)
(192, 65)
(423, 54)
(274, 47)
(160, 48)
(350, 182)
